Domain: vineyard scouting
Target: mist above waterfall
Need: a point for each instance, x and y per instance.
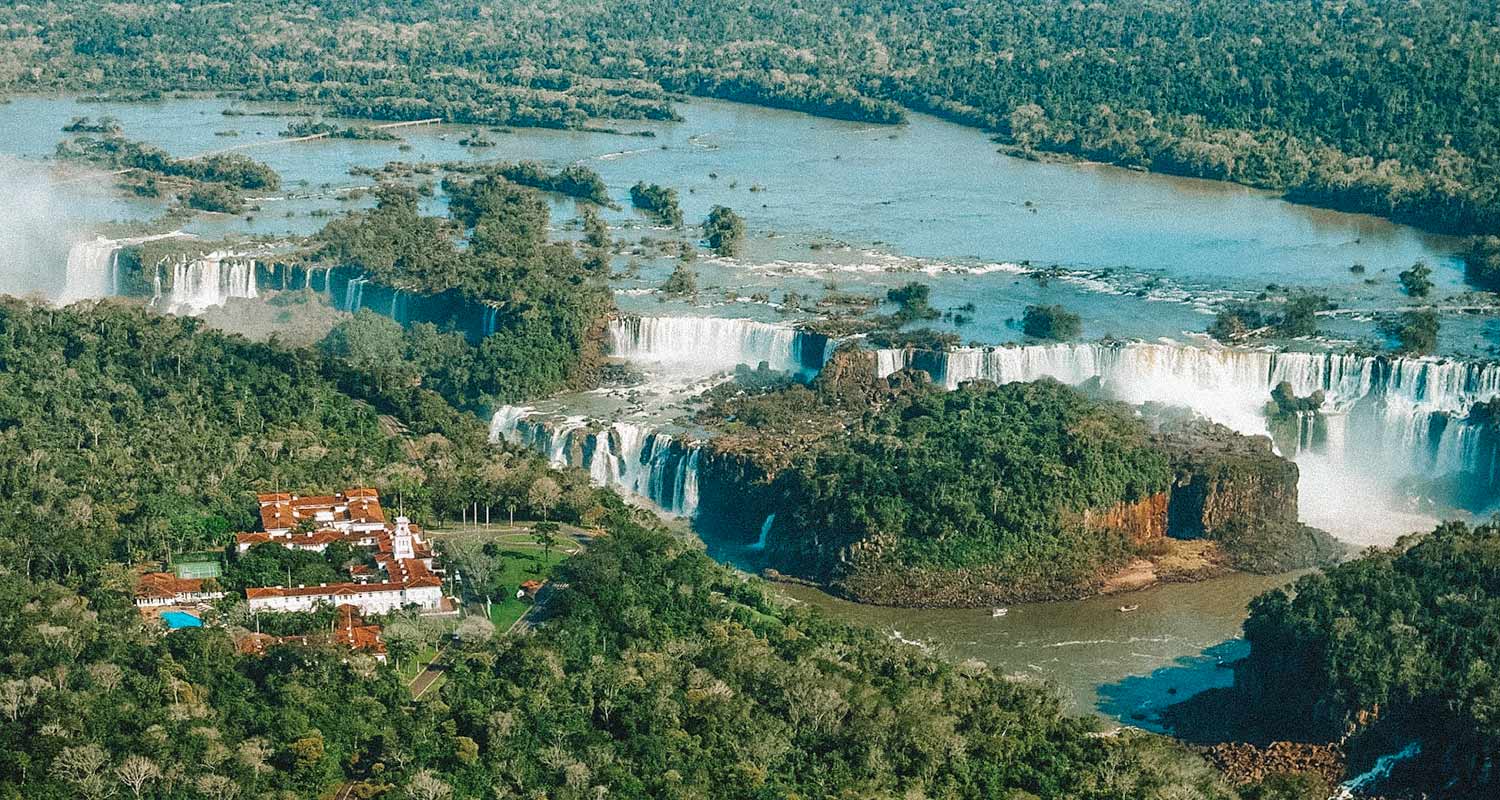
(37, 228)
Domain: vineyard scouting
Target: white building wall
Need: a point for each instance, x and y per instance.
(371, 602)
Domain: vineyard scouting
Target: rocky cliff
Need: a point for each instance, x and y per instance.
(1142, 522)
(1221, 477)
(1236, 491)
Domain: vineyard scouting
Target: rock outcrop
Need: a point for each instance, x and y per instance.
(1142, 522)
(1221, 478)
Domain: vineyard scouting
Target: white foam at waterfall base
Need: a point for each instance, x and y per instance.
(701, 345)
(1381, 412)
(92, 270)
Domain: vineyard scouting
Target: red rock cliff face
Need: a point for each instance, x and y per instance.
(1143, 521)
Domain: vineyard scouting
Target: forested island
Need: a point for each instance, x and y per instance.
(890, 490)
(1291, 96)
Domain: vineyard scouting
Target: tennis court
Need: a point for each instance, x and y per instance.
(198, 565)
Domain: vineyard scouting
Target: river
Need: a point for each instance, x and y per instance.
(1141, 255)
(1126, 666)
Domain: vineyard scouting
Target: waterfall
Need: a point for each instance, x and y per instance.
(354, 293)
(1377, 773)
(765, 533)
(91, 271)
(208, 281)
(712, 344)
(398, 308)
(629, 457)
(1383, 419)
(491, 320)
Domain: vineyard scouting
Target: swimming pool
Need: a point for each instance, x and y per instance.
(180, 619)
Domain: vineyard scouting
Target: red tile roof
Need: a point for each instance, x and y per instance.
(165, 585)
(279, 510)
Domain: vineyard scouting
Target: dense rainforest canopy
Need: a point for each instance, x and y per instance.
(546, 306)
(989, 479)
(662, 675)
(659, 673)
(1382, 106)
(131, 435)
(1401, 642)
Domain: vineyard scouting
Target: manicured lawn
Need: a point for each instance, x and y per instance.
(523, 560)
(520, 566)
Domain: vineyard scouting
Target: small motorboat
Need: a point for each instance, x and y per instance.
(1128, 609)
(999, 612)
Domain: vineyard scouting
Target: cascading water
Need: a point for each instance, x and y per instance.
(765, 533)
(630, 457)
(209, 281)
(1377, 773)
(709, 344)
(354, 294)
(1383, 419)
(92, 271)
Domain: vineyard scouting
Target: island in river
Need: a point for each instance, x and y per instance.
(890, 490)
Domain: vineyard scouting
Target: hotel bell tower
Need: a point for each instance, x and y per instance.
(401, 544)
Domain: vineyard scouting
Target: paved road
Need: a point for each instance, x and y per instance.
(536, 613)
(426, 678)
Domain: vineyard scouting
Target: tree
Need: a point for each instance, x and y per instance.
(404, 640)
(681, 283)
(1051, 322)
(83, 767)
(1415, 332)
(1028, 126)
(724, 230)
(596, 240)
(307, 752)
(545, 535)
(214, 197)
(372, 343)
(475, 630)
(1417, 281)
(217, 787)
(914, 300)
(136, 772)
(425, 785)
(1299, 316)
(659, 203)
(595, 231)
(1482, 263)
(543, 494)
(17, 695)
